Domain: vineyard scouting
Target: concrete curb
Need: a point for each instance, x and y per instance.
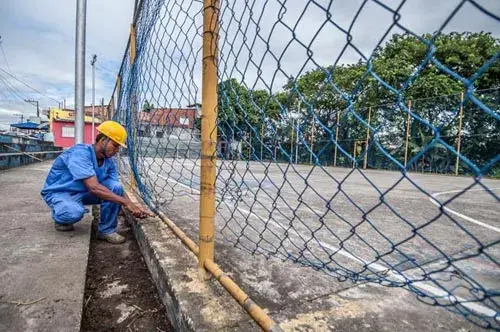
(191, 305)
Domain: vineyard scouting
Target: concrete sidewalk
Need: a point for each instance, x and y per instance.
(42, 271)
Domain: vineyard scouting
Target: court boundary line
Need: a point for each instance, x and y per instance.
(483, 310)
(434, 201)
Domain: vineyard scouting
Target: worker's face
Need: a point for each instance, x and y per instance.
(110, 148)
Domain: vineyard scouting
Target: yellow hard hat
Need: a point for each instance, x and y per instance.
(114, 131)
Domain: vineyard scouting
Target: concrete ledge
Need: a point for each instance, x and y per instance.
(191, 305)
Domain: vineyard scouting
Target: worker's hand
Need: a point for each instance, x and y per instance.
(137, 210)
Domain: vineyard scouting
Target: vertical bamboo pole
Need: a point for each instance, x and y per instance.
(261, 140)
(407, 132)
(354, 154)
(313, 129)
(291, 143)
(133, 183)
(118, 93)
(367, 141)
(459, 141)
(336, 140)
(208, 134)
(249, 147)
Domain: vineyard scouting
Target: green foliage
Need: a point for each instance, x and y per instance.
(147, 107)
(413, 66)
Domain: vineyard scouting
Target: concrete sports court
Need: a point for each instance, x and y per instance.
(436, 235)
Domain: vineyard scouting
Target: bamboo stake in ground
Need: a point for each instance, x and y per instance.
(459, 138)
(133, 183)
(336, 139)
(407, 132)
(313, 129)
(208, 134)
(367, 141)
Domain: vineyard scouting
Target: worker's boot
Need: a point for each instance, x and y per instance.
(64, 227)
(114, 238)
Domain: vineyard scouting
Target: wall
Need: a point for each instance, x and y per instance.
(11, 149)
(66, 142)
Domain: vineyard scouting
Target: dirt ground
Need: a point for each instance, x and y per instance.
(119, 292)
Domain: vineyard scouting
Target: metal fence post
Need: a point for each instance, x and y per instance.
(208, 134)
(81, 12)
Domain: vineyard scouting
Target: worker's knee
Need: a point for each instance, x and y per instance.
(115, 187)
(68, 212)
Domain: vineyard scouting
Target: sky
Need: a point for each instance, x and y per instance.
(38, 40)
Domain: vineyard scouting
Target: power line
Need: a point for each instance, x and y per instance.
(29, 86)
(4, 56)
(11, 89)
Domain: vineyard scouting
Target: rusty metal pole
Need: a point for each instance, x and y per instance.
(407, 132)
(459, 142)
(208, 134)
(367, 141)
(336, 140)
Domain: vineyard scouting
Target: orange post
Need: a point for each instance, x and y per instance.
(367, 141)
(459, 141)
(208, 134)
(407, 132)
(336, 140)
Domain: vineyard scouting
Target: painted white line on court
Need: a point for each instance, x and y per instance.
(472, 220)
(179, 183)
(483, 310)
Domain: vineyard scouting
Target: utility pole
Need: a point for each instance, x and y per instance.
(33, 102)
(81, 16)
(92, 62)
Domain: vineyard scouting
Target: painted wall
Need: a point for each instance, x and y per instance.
(66, 142)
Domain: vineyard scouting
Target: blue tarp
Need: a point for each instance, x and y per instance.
(25, 125)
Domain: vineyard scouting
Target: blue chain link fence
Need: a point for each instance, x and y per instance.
(357, 138)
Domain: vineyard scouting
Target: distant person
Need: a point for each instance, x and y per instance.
(86, 175)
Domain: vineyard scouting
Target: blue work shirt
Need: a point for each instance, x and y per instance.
(73, 166)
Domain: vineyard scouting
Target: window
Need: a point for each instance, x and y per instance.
(184, 121)
(68, 131)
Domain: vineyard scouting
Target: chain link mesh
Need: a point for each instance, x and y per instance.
(334, 120)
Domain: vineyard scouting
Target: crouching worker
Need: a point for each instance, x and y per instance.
(86, 175)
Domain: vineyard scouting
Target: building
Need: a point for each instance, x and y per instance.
(167, 122)
(62, 126)
(64, 132)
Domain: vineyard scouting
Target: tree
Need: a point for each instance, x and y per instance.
(147, 107)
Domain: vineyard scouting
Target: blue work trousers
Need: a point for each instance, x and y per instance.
(68, 208)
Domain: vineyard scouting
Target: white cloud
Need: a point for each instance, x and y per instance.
(39, 42)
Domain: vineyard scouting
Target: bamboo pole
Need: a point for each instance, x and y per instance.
(407, 132)
(256, 312)
(208, 134)
(459, 141)
(313, 129)
(291, 143)
(261, 140)
(336, 140)
(133, 183)
(354, 154)
(367, 141)
(118, 94)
